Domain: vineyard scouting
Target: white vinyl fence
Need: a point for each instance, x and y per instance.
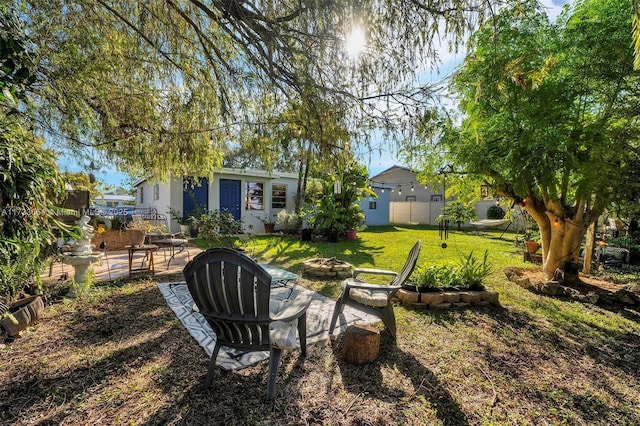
(427, 212)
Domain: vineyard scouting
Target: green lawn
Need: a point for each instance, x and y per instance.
(121, 356)
(387, 247)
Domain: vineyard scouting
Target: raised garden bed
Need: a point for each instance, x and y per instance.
(447, 298)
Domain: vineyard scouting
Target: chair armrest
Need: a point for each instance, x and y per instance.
(350, 283)
(295, 308)
(359, 271)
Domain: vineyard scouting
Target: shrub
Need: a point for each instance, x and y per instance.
(288, 221)
(220, 228)
(458, 212)
(472, 271)
(426, 277)
(495, 212)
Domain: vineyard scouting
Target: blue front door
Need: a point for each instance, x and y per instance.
(195, 196)
(230, 197)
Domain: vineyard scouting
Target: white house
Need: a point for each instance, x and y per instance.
(251, 195)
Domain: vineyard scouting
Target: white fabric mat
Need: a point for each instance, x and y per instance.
(318, 318)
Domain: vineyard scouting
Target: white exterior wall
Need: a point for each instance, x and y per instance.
(171, 194)
(145, 200)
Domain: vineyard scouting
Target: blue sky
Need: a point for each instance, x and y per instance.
(383, 157)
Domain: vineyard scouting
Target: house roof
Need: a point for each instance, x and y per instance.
(391, 170)
(274, 174)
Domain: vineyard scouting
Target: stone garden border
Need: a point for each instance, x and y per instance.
(327, 267)
(448, 299)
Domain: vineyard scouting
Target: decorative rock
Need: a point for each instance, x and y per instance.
(551, 288)
(406, 296)
(431, 298)
(592, 297)
(440, 306)
(470, 296)
(512, 274)
(634, 288)
(461, 304)
(490, 296)
(524, 283)
(625, 297)
(361, 344)
(450, 296)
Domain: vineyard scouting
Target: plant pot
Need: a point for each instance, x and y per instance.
(136, 237)
(352, 234)
(332, 236)
(23, 312)
(268, 227)
(306, 234)
(531, 246)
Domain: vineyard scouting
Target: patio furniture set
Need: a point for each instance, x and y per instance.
(233, 293)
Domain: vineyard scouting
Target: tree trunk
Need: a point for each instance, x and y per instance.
(591, 242)
(561, 237)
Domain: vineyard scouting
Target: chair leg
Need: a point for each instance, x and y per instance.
(389, 319)
(212, 364)
(302, 333)
(336, 312)
(274, 362)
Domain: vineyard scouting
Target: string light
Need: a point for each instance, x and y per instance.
(411, 186)
(400, 189)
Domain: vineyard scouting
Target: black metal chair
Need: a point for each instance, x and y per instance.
(233, 293)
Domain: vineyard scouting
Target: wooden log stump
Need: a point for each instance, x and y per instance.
(361, 344)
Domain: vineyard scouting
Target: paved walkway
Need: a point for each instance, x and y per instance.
(115, 264)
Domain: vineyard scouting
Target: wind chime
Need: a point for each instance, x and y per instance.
(443, 225)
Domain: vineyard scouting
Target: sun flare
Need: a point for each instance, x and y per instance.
(356, 42)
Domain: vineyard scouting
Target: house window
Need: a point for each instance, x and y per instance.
(373, 205)
(255, 196)
(411, 198)
(436, 198)
(278, 196)
(141, 195)
(156, 191)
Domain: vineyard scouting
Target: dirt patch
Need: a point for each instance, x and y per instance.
(585, 289)
(585, 282)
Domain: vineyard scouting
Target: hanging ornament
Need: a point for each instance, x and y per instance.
(443, 229)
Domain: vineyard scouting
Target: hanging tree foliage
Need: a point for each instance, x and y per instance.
(550, 115)
(163, 86)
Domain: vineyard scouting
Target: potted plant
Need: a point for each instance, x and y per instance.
(20, 314)
(531, 244)
(353, 220)
(308, 218)
(137, 230)
(185, 222)
(269, 224)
